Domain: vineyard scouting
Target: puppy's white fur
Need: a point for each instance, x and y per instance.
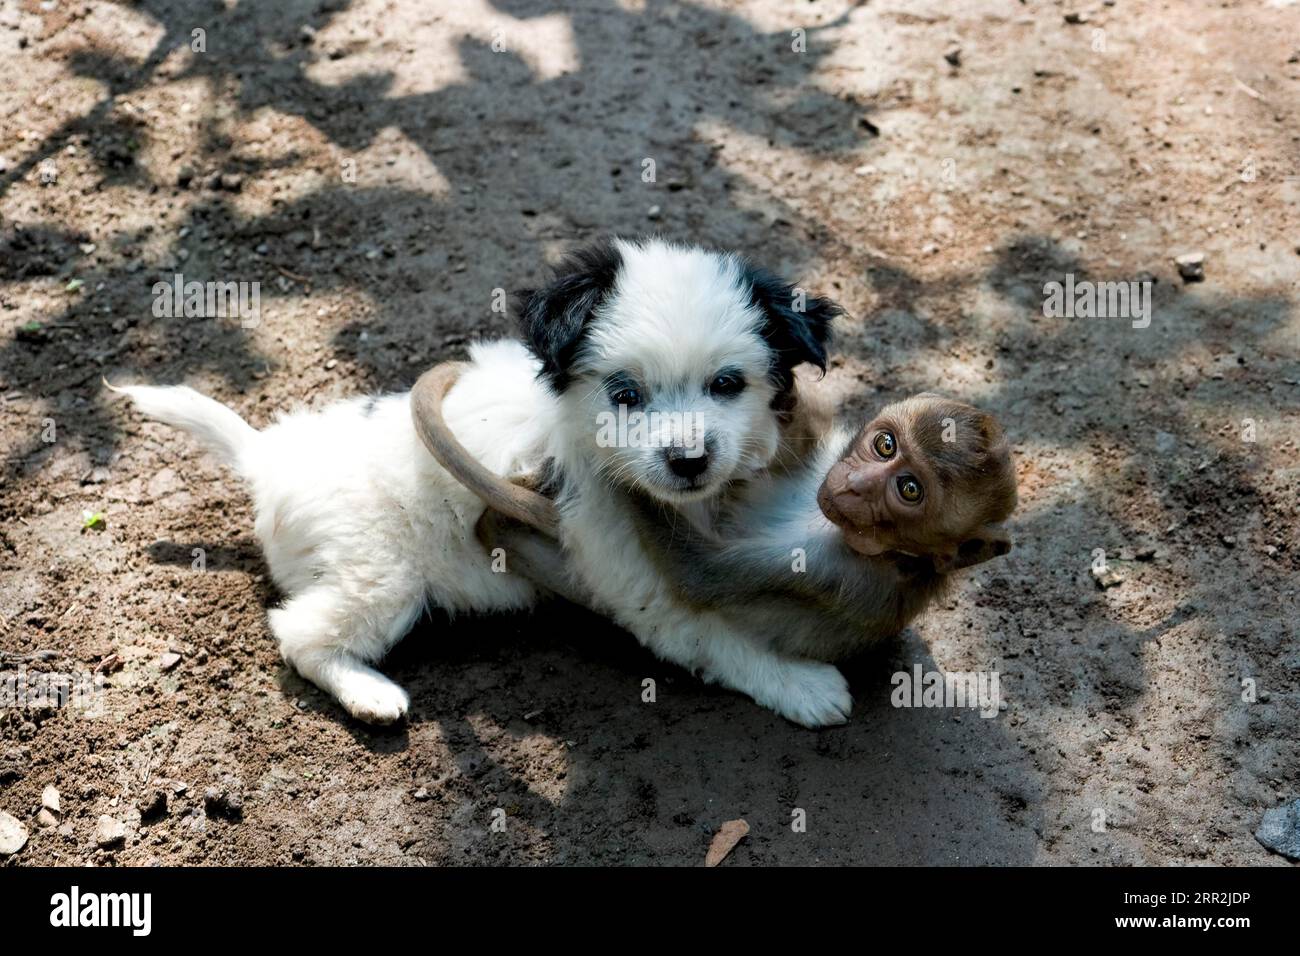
(362, 529)
(675, 318)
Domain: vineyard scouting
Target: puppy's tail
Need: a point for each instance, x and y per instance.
(215, 425)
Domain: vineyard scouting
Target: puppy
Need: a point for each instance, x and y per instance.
(699, 350)
(363, 530)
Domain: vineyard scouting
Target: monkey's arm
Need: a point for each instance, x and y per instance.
(708, 571)
(531, 554)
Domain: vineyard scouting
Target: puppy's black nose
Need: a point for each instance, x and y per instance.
(684, 465)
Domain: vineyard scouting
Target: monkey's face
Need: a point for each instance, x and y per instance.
(884, 493)
(928, 476)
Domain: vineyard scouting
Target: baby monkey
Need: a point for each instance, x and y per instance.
(837, 547)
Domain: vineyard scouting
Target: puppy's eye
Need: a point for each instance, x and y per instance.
(885, 445)
(631, 397)
(910, 489)
(727, 384)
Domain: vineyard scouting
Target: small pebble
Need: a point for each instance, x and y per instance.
(1191, 266)
(1279, 830)
(1107, 579)
(109, 833)
(153, 806)
(223, 803)
(13, 835)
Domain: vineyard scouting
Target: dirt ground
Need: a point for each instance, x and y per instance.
(381, 167)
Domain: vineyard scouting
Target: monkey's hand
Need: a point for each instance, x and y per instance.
(988, 543)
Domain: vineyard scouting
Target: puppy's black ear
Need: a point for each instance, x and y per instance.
(555, 318)
(797, 325)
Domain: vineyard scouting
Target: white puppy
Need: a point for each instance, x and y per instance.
(361, 528)
(699, 348)
(663, 373)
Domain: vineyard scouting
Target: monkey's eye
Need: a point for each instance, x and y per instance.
(885, 445)
(910, 489)
(631, 397)
(727, 383)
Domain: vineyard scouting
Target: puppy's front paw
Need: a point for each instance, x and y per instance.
(373, 698)
(814, 695)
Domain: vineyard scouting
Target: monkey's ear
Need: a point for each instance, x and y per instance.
(555, 318)
(987, 543)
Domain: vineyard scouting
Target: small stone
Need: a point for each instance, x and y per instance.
(1191, 266)
(50, 798)
(109, 833)
(153, 806)
(1108, 578)
(1279, 831)
(231, 182)
(1076, 17)
(13, 835)
(1146, 553)
(47, 819)
(184, 176)
(953, 55)
(1229, 540)
(652, 213)
(219, 802)
(421, 794)
(331, 365)
(169, 660)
